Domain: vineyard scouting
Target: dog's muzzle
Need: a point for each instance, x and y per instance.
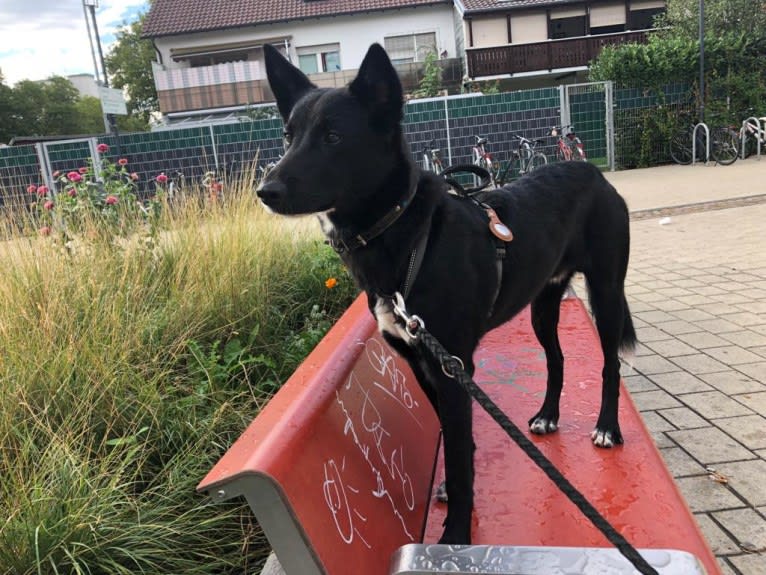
(271, 192)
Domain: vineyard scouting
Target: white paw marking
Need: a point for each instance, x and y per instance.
(602, 438)
(541, 426)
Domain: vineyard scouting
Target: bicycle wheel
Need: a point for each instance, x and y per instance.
(681, 147)
(724, 147)
(538, 159)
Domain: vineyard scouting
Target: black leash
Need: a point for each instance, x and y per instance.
(453, 367)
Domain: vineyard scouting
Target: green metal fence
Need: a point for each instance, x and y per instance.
(450, 123)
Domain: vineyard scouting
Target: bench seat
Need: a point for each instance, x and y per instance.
(339, 466)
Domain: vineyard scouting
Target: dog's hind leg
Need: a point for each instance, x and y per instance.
(609, 309)
(545, 319)
(456, 417)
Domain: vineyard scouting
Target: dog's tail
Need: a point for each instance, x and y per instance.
(628, 340)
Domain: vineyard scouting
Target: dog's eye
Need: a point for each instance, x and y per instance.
(332, 137)
(288, 137)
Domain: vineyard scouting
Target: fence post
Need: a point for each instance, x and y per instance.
(215, 150)
(44, 164)
(446, 121)
(564, 105)
(609, 88)
(95, 157)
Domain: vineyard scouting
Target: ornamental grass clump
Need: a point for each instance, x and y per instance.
(126, 372)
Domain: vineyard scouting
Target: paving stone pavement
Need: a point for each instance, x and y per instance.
(696, 286)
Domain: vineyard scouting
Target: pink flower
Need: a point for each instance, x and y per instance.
(134, 176)
(102, 148)
(31, 189)
(83, 170)
(162, 178)
(123, 161)
(71, 192)
(49, 205)
(42, 190)
(111, 200)
(74, 177)
(45, 231)
(56, 174)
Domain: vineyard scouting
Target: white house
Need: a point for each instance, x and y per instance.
(209, 55)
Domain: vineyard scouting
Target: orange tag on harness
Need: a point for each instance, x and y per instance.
(498, 228)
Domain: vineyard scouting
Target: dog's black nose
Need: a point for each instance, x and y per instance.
(270, 191)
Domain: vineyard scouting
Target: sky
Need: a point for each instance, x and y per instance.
(42, 38)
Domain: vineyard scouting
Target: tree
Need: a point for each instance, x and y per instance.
(47, 108)
(90, 115)
(735, 45)
(7, 119)
(431, 83)
(740, 17)
(129, 64)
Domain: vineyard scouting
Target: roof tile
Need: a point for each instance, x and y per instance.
(169, 17)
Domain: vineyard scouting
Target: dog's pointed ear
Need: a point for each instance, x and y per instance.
(287, 82)
(378, 87)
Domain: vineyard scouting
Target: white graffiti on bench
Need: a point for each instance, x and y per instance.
(366, 429)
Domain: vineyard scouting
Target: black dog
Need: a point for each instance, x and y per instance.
(348, 162)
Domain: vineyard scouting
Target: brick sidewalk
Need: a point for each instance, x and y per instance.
(697, 289)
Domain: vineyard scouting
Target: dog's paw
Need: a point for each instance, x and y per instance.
(606, 437)
(455, 537)
(542, 425)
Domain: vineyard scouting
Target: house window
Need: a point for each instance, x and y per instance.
(410, 48)
(643, 19)
(567, 27)
(607, 18)
(316, 59)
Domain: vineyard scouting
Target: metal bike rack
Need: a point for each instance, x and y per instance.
(707, 142)
(757, 122)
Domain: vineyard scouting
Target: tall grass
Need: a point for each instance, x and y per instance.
(127, 368)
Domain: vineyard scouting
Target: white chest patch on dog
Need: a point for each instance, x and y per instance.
(325, 223)
(384, 315)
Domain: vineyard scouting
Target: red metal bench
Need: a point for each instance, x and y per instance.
(338, 468)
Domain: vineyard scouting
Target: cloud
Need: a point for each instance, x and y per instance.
(41, 38)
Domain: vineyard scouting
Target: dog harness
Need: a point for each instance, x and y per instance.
(502, 234)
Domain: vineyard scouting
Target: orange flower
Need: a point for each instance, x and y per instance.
(331, 283)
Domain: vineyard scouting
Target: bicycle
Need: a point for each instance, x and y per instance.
(723, 144)
(432, 159)
(568, 146)
(529, 157)
(483, 159)
(751, 134)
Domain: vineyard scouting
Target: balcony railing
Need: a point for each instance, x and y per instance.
(244, 83)
(549, 55)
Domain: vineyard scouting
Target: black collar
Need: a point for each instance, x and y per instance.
(347, 241)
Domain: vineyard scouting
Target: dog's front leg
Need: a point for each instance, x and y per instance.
(455, 416)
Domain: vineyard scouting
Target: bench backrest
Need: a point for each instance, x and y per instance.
(338, 466)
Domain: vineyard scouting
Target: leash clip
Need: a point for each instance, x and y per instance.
(412, 323)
